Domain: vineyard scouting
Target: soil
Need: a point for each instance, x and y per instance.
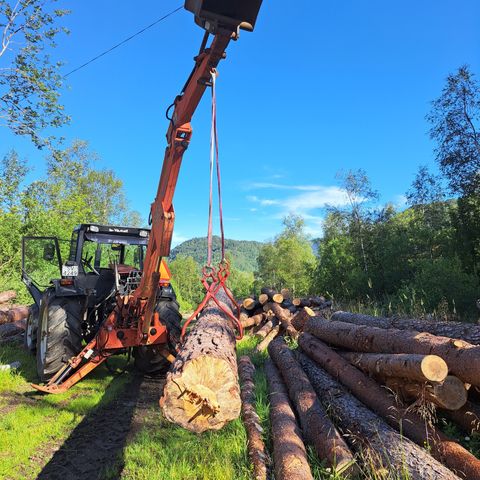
(94, 449)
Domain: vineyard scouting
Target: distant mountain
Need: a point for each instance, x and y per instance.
(243, 253)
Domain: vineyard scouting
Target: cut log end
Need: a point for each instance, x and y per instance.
(434, 368)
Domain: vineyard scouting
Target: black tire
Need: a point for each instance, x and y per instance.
(59, 336)
(147, 358)
(30, 337)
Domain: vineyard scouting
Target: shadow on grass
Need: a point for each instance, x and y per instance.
(94, 448)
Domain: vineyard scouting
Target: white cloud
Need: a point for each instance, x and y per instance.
(399, 201)
(177, 239)
(279, 186)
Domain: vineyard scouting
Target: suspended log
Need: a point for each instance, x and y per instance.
(463, 359)
(301, 317)
(464, 331)
(263, 298)
(7, 296)
(272, 294)
(272, 334)
(449, 395)
(201, 389)
(467, 417)
(446, 451)
(285, 319)
(250, 303)
(289, 455)
(316, 426)
(255, 445)
(252, 321)
(267, 327)
(422, 368)
(381, 446)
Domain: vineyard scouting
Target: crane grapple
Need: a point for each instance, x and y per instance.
(230, 15)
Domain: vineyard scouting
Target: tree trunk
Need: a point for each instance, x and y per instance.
(250, 303)
(449, 395)
(446, 451)
(463, 359)
(265, 330)
(467, 417)
(263, 298)
(7, 296)
(272, 294)
(383, 447)
(252, 321)
(465, 331)
(289, 455)
(255, 446)
(300, 318)
(285, 319)
(18, 313)
(422, 368)
(316, 426)
(201, 390)
(268, 339)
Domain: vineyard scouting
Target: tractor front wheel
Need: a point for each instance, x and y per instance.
(147, 358)
(30, 337)
(59, 334)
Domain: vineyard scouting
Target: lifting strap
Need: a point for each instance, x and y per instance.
(214, 279)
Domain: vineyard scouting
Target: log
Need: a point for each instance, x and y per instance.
(201, 390)
(300, 318)
(285, 319)
(422, 368)
(467, 417)
(263, 298)
(12, 328)
(449, 395)
(463, 359)
(445, 450)
(464, 331)
(7, 296)
(378, 443)
(255, 445)
(273, 333)
(289, 455)
(252, 321)
(286, 293)
(265, 330)
(18, 313)
(250, 303)
(316, 425)
(272, 294)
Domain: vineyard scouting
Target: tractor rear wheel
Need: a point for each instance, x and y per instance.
(30, 337)
(147, 358)
(59, 334)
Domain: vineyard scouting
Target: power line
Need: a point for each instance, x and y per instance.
(123, 41)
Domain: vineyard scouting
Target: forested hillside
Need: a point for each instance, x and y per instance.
(243, 253)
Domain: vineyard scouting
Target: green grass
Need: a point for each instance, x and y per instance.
(33, 424)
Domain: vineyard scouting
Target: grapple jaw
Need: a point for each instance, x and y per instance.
(224, 14)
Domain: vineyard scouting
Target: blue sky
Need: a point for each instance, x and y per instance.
(318, 87)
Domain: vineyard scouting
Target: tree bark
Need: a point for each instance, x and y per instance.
(300, 318)
(18, 313)
(316, 426)
(449, 395)
(273, 333)
(467, 417)
(463, 359)
(265, 330)
(7, 296)
(446, 451)
(464, 331)
(255, 446)
(272, 294)
(289, 455)
(285, 319)
(383, 447)
(201, 389)
(422, 368)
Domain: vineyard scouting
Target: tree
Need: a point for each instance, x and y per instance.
(288, 261)
(12, 173)
(29, 80)
(454, 120)
(186, 279)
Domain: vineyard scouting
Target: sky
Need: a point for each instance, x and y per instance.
(318, 87)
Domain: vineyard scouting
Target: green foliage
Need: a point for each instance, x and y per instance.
(288, 261)
(29, 80)
(186, 282)
(243, 253)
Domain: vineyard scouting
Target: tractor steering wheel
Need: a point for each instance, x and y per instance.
(88, 263)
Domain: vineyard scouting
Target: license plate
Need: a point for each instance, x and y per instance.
(69, 271)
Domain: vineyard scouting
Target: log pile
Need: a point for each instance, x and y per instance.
(12, 317)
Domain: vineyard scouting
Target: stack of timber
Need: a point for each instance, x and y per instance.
(12, 317)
